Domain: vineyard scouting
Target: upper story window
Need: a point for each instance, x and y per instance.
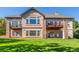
(27, 21)
(38, 21)
(14, 23)
(54, 22)
(33, 20)
(68, 24)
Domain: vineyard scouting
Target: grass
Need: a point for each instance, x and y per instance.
(39, 45)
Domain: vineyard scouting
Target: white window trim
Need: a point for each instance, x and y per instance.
(14, 35)
(19, 22)
(33, 18)
(36, 32)
(14, 20)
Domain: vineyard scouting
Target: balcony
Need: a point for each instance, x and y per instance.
(15, 24)
(19, 26)
(54, 25)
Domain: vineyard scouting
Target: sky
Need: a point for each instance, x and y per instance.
(65, 11)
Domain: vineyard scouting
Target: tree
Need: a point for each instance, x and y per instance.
(76, 29)
(76, 33)
(75, 24)
(2, 26)
(2, 22)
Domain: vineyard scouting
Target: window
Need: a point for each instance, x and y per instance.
(50, 34)
(38, 21)
(32, 21)
(32, 33)
(26, 32)
(14, 23)
(60, 23)
(68, 24)
(57, 34)
(27, 21)
(16, 33)
(20, 23)
(38, 32)
(13, 33)
(57, 23)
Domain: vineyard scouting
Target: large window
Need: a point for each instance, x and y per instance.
(33, 32)
(27, 33)
(54, 22)
(33, 20)
(16, 34)
(14, 23)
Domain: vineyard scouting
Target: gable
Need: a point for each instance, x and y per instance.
(32, 12)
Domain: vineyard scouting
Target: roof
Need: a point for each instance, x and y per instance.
(11, 17)
(54, 15)
(32, 8)
(66, 17)
(57, 15)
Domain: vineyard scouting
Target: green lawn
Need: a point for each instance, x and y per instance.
(39, 45)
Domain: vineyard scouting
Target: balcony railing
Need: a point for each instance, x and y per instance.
(16, 26)
(59, 25)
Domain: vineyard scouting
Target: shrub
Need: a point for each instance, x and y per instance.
(76, 33)
(2, 27)
(2, 31)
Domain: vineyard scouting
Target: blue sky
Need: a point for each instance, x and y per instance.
(66, 11)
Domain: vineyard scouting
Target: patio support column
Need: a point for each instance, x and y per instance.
(23, 32)
(44, 29)
(7, 29)
(63, 34)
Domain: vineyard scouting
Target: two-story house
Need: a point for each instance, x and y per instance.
(34, 24)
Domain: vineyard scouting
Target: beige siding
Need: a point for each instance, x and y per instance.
(70, 29)
(66, 30)
(26, 26)
(7, 28)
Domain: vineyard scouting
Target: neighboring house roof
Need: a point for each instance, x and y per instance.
(55, 15)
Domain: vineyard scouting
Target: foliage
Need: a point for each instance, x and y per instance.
(39, 45)
(2, 26)
(76, 29)
(76, 33)
(75, 24)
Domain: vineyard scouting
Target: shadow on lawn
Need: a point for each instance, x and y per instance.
(36, 48)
